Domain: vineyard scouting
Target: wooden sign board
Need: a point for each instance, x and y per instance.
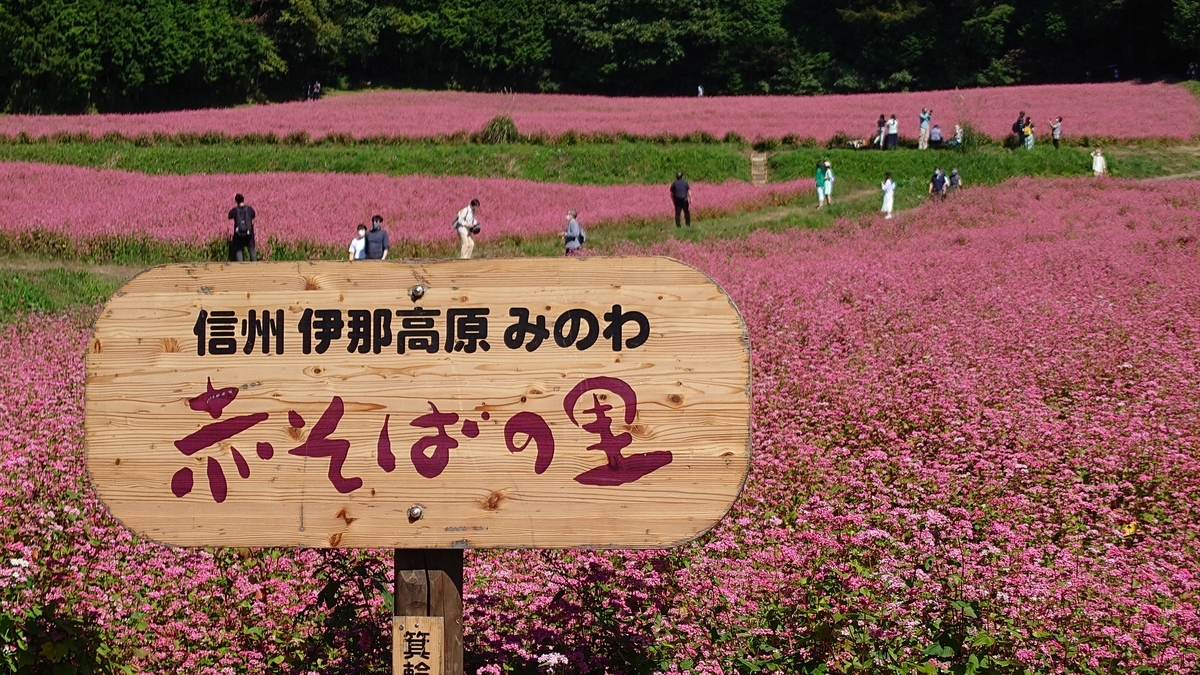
(577, 402)
(417, 645)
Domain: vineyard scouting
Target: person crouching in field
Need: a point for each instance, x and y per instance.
(358, 245)
(466, 225)
(242, 216)
(574, 235)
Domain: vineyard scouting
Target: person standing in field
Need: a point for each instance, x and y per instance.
(1056, 131)
(923, 137)
(466, 224)
(574, 235)
(358, 245)
(889, 195)
(1099, 164)
(1018, 128)
(820, 180)
(376, 243)
(829, 178)
(681, 197)
(955, 183)
(242, 216)
(881, 128)
(893, 133)
(1028, 132)
(937, 184)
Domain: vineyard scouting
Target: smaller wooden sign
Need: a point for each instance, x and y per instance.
(417, 645)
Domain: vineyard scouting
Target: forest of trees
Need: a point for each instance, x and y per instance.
(127, 55)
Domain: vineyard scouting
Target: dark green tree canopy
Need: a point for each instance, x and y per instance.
(78, 55)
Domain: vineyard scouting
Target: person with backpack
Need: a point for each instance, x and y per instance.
(574, 235)
(1018, 128)
(376, 247)
(242, 216)
(467, 225)
(681, 198)
(954, 184)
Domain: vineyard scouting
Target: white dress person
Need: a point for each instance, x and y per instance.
(889, 197)
(1099, 164)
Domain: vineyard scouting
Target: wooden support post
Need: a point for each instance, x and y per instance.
(429, 584)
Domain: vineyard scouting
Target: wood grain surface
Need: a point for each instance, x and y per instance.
(248, 449)
(417, 642)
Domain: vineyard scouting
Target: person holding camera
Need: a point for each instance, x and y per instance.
(923, 137)
(466, 225)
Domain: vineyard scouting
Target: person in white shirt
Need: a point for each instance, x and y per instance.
(358, 245)
(1099, 164)
(893, 133)
(829, 184)
(889, 195)
(466, 225)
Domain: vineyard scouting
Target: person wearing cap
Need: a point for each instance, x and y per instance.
(955, 183)
(681, 197)
(466, 224)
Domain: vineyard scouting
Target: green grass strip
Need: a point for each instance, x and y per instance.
(52, 289)
(615, 164)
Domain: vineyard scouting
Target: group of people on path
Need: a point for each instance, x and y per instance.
(373, 243)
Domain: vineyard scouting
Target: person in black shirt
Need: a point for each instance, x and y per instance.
(377, 240)
(937, 184)
(243, 230)
(681, 195)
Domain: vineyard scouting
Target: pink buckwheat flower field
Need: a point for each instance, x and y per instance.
(976, 449)
(1116, 110)
(84, 202)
